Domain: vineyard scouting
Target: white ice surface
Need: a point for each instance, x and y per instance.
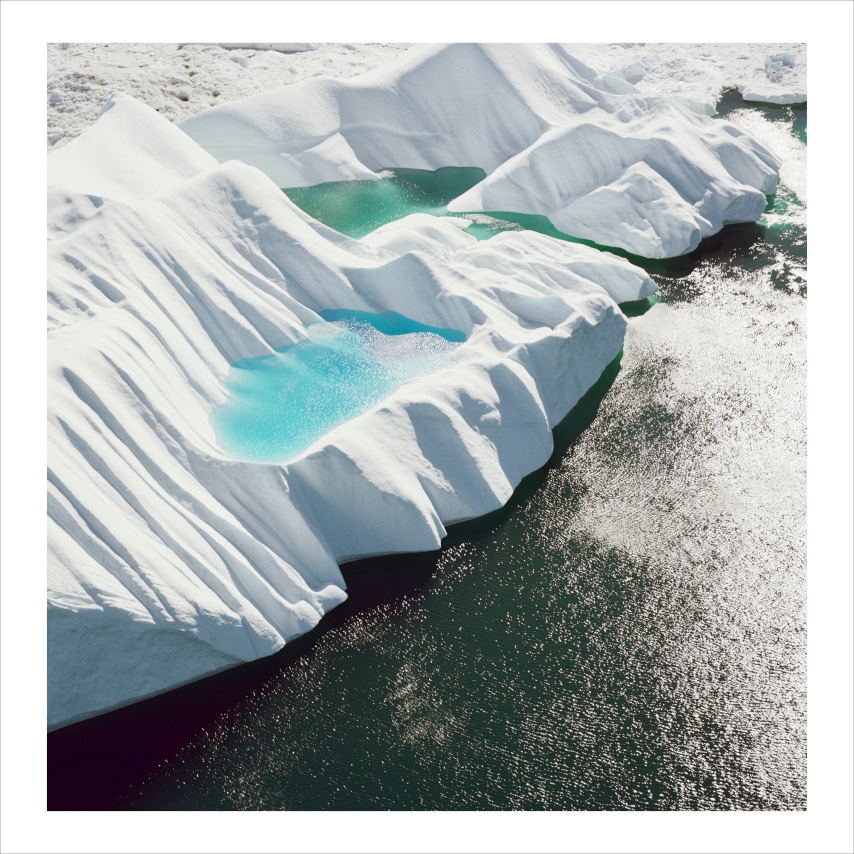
(178, 80)
(600, 160)
(168, 561)
(697, 74)
(281, 47)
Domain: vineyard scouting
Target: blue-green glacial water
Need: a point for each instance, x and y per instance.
(628, 633)
(357, 208)
(281, 403)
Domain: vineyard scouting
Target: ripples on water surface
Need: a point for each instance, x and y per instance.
(629, 633)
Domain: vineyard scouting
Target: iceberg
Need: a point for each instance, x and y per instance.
(168, 560)
(602, 161)
(172, 254)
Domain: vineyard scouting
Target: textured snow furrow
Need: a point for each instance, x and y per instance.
(70, 525)
(97, 539)
(169, 324)
(155, 489)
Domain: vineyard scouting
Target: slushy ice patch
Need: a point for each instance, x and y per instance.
(282, 402)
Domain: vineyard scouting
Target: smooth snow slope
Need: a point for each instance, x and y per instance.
(169, 561)
(599, 159)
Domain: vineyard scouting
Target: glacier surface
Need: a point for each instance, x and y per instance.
(168, 560)
(602, 161)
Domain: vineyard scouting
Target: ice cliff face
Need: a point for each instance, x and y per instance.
(168, 561)
(600, 160)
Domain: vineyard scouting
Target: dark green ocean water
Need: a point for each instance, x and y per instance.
(629, 633)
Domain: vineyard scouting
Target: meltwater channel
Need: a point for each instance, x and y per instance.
(629, 633)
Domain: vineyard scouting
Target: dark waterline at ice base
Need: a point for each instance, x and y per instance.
(628, 633)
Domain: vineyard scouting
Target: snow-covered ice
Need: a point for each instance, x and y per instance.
(179, 80)
(697, 74)
(602, 161)
(81, 77)
(281, 47)
(168, 560)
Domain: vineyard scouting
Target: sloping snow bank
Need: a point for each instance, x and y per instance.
(603, 162)
(169, 561)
